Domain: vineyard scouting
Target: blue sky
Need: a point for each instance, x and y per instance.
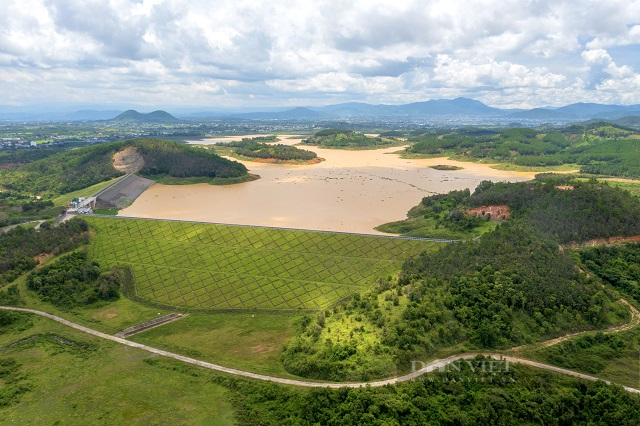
(279, 53)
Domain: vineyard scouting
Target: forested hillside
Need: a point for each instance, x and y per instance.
(523, 396)
(598, 148)
(338, 138)
(20, 247)
(254, 148)
(566, 209)
(80, 168)
(29, 188)
(561, 207)
(513, 286)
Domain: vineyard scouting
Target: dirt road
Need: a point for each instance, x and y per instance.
(431, 366)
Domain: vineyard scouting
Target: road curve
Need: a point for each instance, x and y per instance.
(427, 368)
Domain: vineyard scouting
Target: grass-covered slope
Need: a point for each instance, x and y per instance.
(348, 139)
(207, 266)
(52, 374)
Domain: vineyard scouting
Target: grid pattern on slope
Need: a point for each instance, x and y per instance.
(232, 267)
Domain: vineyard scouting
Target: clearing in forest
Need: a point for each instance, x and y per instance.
(215, 266)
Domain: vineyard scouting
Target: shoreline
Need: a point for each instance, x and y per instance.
(351, 191)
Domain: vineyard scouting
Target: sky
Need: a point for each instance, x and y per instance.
(247, 53)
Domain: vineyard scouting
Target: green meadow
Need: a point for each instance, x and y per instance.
(54, 375)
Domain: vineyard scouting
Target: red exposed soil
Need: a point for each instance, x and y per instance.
(10, 165)
(500, 212)
(41, 258)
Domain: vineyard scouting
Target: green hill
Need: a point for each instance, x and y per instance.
(255, 149)
(348, 139)
(80, 168)
(595, 147)
(513, 286)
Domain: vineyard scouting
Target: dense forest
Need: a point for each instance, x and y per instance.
(562, 207)
(598, 148)
(566, 209)
(513, 286)
(20, 246)
(524, 395)
(339, 138)
(253, 148)
(73, 280)
(617, 265)
(510, 288)
(179, 160)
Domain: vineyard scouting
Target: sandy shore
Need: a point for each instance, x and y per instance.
(352, 191)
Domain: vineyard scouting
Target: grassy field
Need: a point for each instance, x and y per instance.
(632, 186)
(420, 226)
(235, 339)
(68, 377)
(251, 342)
(211, 266)
(65, 199)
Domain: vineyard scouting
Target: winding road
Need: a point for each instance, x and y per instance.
(426, 368)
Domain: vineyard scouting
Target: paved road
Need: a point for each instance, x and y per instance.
(431, 366)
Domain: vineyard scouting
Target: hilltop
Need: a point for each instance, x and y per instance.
(133, 116)
(65, 172)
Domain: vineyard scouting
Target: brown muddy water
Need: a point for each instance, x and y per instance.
(352, 191)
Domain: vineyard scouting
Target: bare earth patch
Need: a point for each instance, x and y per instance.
(499, 212)
(107, 313)
(128, 160)
(41, 259)
(603, 242)
(260, 349)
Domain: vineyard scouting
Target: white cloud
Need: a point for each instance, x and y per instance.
(505, 52)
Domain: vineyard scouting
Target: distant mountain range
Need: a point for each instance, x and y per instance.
(435, 109)
(132, 116)
(440, 108)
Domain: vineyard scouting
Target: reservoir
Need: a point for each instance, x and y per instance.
(351, 191)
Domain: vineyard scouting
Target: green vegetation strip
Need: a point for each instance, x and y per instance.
(426, 368)
(213, 266)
